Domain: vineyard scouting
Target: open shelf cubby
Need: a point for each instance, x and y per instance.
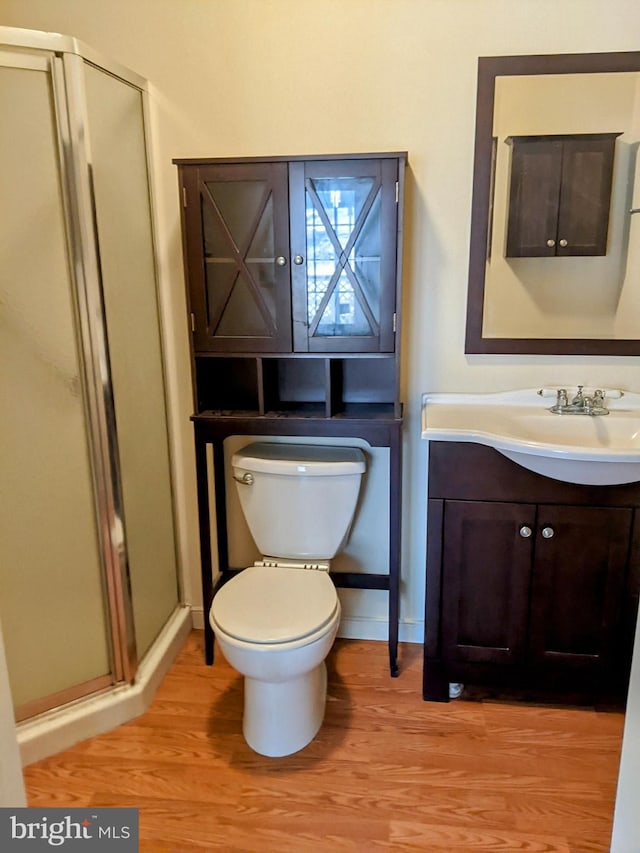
(227, 384)
(322, 387)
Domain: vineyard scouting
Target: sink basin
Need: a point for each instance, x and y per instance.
(598, 450)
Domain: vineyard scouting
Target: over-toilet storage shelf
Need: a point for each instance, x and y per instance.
(303, 386)
(293, 272)
(214, 429)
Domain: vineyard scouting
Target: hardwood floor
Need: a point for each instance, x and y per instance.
(387, 772)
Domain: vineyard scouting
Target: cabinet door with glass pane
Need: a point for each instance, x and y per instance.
(343, 254)
(237, 247)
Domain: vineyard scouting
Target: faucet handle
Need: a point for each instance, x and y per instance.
(579, 396)
(562, 399)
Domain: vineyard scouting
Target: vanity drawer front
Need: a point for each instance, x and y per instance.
(461, 470)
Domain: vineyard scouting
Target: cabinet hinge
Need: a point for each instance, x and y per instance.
(184, 196)
(395, 320)
(397, 192)
(193, 322)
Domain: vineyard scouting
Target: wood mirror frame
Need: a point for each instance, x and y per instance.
(488, 69)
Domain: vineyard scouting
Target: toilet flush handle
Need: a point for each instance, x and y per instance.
(245, 478)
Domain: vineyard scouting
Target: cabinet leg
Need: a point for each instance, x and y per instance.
(395, 526)
(435, 683)
(393, 626)
(209, 637)
(205, 542)
(393, 659)
(208, 644)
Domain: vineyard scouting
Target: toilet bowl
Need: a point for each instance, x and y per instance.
(281, 653)
(275, 621)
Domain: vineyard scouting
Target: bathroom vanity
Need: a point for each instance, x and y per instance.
(293, 269)
(532, 581)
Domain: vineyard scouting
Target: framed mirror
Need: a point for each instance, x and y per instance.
(542, 122)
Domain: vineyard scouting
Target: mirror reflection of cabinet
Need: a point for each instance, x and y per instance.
(560, 195)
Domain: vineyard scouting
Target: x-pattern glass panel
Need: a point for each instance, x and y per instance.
(343, 256)
(237, 219)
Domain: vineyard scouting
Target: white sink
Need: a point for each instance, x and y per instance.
(594, 450)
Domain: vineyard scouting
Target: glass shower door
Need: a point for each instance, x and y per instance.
(117, 157)
(51, 580)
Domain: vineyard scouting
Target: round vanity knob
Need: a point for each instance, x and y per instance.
(564, 243)
(551, 243)
(281, 261)
(548, 532)
(525, 531)
(298, 259)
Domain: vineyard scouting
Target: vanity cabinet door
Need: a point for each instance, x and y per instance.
(487, 559)
(237, 250)
(578, 587)
(560, 195)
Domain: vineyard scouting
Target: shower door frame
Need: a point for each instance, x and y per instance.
(63, 58)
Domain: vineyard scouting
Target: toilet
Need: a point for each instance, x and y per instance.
(276, 621)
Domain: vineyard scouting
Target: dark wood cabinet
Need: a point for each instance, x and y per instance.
(236, 227)
(531, 582)
(560, 195)
(343, 244)
(293, 271)
(292, 256)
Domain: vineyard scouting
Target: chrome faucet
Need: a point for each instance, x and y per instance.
(581, 403)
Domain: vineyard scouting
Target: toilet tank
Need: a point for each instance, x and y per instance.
(298, 500)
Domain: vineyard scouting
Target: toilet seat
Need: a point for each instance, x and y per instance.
(272, 606)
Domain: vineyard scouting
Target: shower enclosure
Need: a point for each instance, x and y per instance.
(88, 558)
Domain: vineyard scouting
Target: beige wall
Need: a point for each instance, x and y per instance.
(312, 76)
(259, 77)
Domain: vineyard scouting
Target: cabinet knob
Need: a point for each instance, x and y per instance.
(281, 261)
(564, 243)
(298, 259)
(548, 532)
(525, 531)
(551, 243)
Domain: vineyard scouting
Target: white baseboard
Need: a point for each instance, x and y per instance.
(197, 614)
(60, 729)
(365, 628)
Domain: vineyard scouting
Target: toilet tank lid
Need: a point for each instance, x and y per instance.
(295, 459)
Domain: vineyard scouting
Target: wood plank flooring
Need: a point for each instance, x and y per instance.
(387, 772)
